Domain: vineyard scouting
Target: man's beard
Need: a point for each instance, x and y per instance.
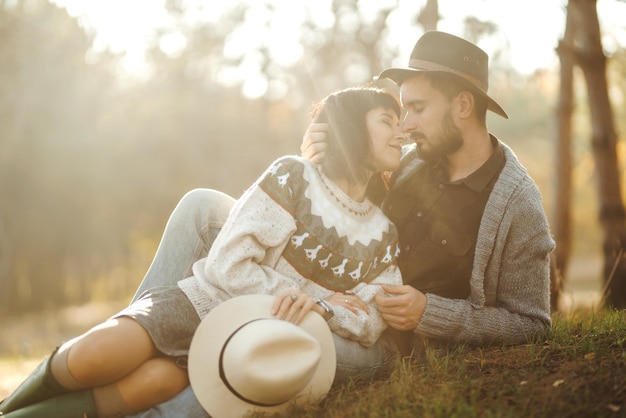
(442, 144)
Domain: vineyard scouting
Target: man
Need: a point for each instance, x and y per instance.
(475, 241)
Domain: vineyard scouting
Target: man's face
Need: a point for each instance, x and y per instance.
(428, 119)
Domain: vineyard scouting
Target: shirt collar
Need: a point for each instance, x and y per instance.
(479, 179)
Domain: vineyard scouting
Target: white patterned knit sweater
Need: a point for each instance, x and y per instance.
(294, 228)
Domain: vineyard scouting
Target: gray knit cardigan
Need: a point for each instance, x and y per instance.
(509, 300)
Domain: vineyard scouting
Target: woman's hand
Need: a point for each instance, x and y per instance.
(293, 305)
(349, 301)
(314, 144)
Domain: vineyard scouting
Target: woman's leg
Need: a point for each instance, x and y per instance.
(119, 360)
(104, 354)
(188, 236)
(155, 381)
(101, 356)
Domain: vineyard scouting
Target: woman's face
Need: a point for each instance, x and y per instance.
(386, 138)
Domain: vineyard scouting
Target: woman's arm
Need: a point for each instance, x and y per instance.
(245, 255)
(364, 327)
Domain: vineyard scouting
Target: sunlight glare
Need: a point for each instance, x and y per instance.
(173, 44)
(528, 31)
(120, 26)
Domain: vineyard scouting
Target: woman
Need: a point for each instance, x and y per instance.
(312, 235)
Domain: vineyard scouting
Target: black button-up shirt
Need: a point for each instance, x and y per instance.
(438, 223)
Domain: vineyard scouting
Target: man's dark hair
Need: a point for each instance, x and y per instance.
(451, 85)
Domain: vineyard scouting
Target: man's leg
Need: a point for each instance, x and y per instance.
(363, 363)
(198, 218)
(353, 362)
(185, 404)
(188, 235)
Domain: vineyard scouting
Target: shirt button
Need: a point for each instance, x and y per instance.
(419, 214)
(444, 241)
(407, 248)
(441, 186)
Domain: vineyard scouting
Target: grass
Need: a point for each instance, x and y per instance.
(578, 371)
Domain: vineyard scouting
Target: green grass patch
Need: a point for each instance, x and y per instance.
(578, 371)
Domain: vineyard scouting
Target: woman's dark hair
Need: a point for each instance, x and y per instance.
(349, 144)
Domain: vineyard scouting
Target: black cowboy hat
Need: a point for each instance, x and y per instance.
(442, 52)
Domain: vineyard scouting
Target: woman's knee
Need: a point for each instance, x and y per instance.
(162, 377)
(108, 351)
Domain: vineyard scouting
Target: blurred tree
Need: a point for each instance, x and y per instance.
(591, 59)
(561, 219)
(92, 161)
(429, 15)
(44, 106)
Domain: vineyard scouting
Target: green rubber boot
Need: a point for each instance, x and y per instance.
(71, 405)
(39, 386)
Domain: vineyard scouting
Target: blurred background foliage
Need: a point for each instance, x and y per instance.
(93, 160)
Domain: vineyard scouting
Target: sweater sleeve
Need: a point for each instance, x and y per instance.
(247, 249)
(365, 328)
(518, 275)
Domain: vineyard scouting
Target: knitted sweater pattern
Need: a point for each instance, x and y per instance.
(294, 228)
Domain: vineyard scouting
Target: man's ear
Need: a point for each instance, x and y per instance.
(465, 104)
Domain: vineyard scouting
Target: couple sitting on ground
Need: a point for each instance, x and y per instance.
(462, 222)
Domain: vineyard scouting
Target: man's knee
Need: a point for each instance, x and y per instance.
(206, 205)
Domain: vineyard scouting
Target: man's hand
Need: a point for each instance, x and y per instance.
(401, 307)
(314, 144)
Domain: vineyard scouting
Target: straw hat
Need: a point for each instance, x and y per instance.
(242, 359)
(441, 52)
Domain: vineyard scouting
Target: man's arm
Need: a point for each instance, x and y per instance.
(401, 307)
(512, 300)
(517, 290)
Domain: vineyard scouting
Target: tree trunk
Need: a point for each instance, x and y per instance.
(592, 61)
(562, 214)
(429, 15)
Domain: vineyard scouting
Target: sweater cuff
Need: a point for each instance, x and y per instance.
(437, 316)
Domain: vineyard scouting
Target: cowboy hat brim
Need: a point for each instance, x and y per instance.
(399, 75)
(213, 332)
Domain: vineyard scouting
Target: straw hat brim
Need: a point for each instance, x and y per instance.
(217, 327)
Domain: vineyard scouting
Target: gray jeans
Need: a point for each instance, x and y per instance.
(188, 235)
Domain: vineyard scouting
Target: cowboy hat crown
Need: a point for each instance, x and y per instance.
(442, 52)
(242, 359)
